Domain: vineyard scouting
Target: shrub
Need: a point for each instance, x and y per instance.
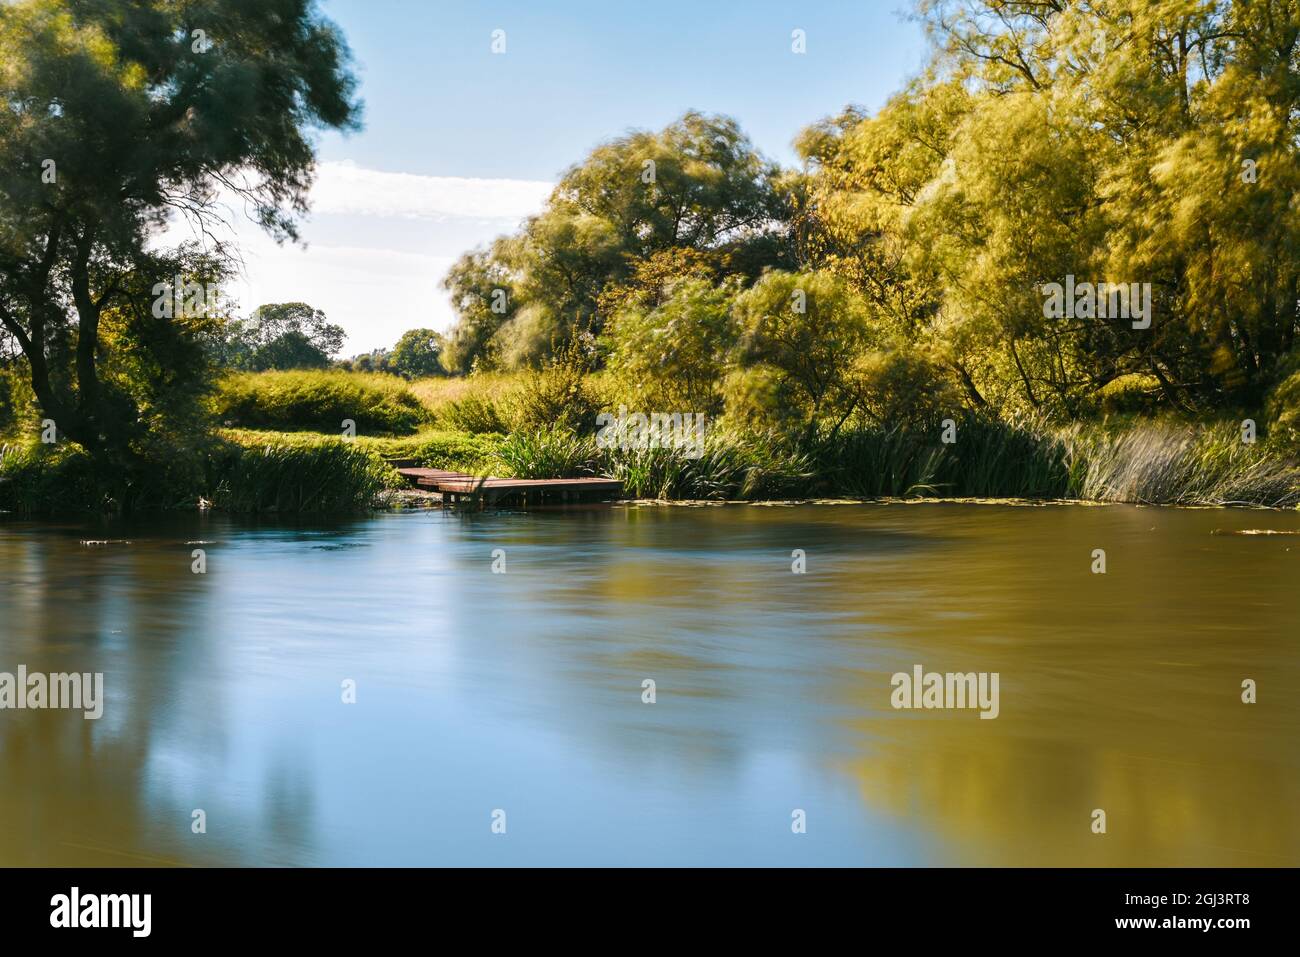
(902, 387)
(557, 395)
(474, 413)
(1130, 393)
(319, 400)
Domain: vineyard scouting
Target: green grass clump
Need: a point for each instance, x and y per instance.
(438, 449)
(731, 466)
(547, 453)
(319, 400)
(1180, 465)
(309, 475)
(993, 458)
(747, 466)
(474, 413)
(872, 462)
(989, 459)
(431, 448)
(36, 478)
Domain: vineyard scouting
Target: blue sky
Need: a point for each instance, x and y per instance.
(460, 143)
(576, 72)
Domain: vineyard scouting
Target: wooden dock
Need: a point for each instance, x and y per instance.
(455, 486)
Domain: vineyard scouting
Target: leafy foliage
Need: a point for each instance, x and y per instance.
(114, 115)
(696, 185)
(286, 335)
(417, 354)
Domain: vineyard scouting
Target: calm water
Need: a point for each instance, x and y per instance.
(523, 691)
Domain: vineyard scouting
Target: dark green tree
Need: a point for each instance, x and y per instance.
(114, 116)
(284, 335)
(417, 354)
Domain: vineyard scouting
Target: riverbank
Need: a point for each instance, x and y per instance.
(251, 471)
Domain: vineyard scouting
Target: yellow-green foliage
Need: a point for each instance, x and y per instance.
(1130, 393)
(475, 403)
(438, 391)
(902, 387)
(672, 354)
(320, 400)
(18, 408)
(1284, 411)
(431, 448)
(48, 478)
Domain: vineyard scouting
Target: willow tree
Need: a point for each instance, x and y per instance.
(698, 184)
(115, 116)
(1126, 141)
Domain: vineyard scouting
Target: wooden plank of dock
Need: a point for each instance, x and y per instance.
(453, 485)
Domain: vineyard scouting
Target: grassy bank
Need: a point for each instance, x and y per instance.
(240, 470)
(319, 400)
(267, 475)
(1140, 463)
(533, 427)
(257, 471)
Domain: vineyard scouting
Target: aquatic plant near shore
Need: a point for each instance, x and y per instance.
(1149, 463)
(547, 453)
(731, 466)
(1154, 464)
(325, 476)
(38, 478)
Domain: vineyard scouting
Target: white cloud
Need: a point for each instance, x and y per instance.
(377, 247)
(347, 189)
(375, 294)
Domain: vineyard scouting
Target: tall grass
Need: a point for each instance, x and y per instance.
(439, 390)
(731, 466)
(1164, 464)
(319, 399)
(877, 462)
(1143, 464)
(241, 474)
(1021, 458)
(37, 478)
(478, 403)
(245, 471)
(475, 414)
(547, 453)
(307, 476)
(988, 459)
(431, 448)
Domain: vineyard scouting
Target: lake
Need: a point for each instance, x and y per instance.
(479, 701)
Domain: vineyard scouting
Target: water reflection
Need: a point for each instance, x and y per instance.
(522, 691)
